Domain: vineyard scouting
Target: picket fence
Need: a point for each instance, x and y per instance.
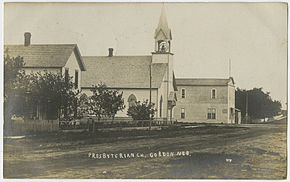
(31, 126)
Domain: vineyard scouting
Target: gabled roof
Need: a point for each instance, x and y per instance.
(203, 81)
(122, 72)
(45, 55)
(163, 26)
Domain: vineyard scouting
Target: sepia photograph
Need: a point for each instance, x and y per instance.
(145, 90)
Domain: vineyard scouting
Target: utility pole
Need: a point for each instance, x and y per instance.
(247, 102)
(150, 80)
(150, 94)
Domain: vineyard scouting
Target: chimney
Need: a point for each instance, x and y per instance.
(27, 36)
(111, 52)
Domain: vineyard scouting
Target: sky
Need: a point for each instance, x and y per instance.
(205, 36)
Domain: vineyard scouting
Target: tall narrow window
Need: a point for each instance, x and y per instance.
(182, 113)
(213, 93)
(66, 75)
(76, 79)
(183, 93)
(211, 113)
(160, 107)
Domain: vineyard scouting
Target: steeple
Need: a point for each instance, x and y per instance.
(163, 25)
(162, 54)
(162, 34)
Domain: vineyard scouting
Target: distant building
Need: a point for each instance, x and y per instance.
(205, 100)
(284, 112)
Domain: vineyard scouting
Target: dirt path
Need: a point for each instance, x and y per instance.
(250, 151)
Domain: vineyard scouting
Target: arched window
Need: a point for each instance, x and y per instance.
(132, 100)
(162, 46)
(160, 107)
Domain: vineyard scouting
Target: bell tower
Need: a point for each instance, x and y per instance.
(162, 35)
(163, 38)
(162, 55)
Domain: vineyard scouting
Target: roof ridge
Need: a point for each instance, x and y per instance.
(119, 56)
(39, 44)
(202, 78)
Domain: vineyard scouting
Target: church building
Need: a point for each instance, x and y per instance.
(138, 77)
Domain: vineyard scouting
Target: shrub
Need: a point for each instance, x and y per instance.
(141, 111)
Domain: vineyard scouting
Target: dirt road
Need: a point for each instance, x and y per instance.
(255, 151)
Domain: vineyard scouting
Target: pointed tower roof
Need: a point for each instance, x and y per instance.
(163, 20)
(163, 25)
